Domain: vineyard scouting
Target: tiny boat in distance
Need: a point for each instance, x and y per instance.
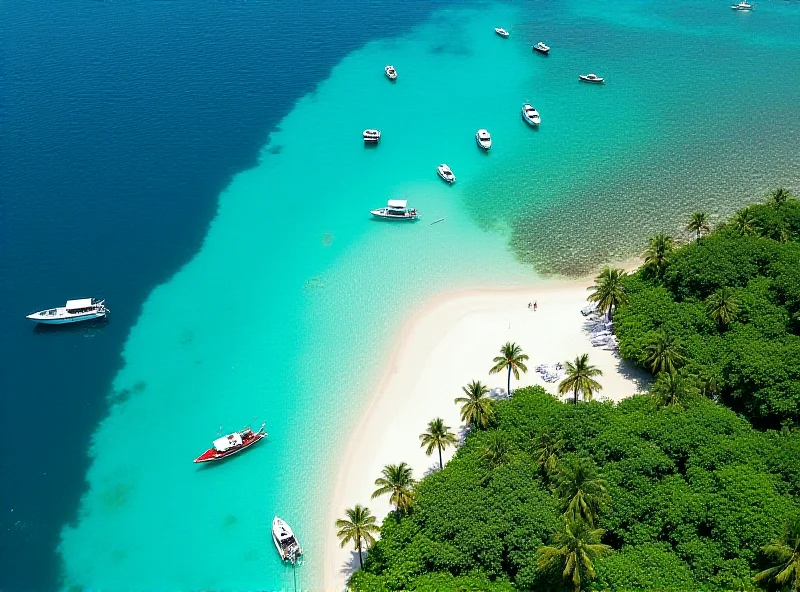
(484, 139)
(446, 174)
(75, 311)
(590, 78)
(743, 6)
(530, 115)
(396, 209)
(390, 72)
(285, 541)
(231, 444)
(371, 136)
(542, 48)
(502, 32)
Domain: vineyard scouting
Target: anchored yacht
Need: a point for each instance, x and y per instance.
(396, 209)
(484, 139)
(75, 311)
(446, 174)
(285, 541)
(530, 115)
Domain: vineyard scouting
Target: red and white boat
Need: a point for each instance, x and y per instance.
(231, 444)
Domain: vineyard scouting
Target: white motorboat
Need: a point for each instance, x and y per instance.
(390, 72)
(502, 32)
(530, 115)
(484, 139)
(590, 78)
(285, 541)
(743, 6)
(372, 136)
(75, 311)
(542, 48)
(396, 209)
(446, 174)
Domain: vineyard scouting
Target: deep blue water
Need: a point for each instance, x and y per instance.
(120, 123)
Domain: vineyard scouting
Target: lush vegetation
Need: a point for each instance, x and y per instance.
(694, 486)
(685, 497)
(724, 310)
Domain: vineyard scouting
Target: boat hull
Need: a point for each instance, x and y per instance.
(449, 181)
(66, 320)
(591, 80)
(380, 216)
(212, 454)
(541, 51)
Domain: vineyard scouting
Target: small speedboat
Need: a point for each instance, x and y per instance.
(542, 48)
(285, 541)
(446, 174)
(743, 6)
(396, 209)
(75, 311)
(231, 444)
(530, 115)
(371, 136)
(484, 139)
(390, 72)
(590, 78)
(502, 32)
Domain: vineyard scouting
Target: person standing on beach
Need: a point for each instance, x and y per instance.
(534, 306)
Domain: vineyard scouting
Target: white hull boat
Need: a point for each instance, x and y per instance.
(446, 174)
(542, 48)
(285, 541)
(75, 311)
(484, 139)
(502, 32)
(531, 115)
(742, 6)
(396, 209)
(590, 78)
(391, 73)
(372, 136)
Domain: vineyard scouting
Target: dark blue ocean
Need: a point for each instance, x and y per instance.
(120, 123)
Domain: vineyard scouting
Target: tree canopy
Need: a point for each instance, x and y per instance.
(694, 495)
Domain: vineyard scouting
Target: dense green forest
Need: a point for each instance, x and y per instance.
(695, 493)
(694, 486)
(729, 303)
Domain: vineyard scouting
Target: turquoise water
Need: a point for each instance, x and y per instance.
(288, 309)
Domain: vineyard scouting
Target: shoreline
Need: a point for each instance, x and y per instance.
(449, 341)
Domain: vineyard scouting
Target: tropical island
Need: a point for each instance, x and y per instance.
(691, 485)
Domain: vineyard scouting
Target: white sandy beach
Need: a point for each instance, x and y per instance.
(449, 342)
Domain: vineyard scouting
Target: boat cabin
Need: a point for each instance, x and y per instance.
(227, 442)
(80, 306)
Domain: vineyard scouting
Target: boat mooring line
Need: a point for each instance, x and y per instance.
(439, 220)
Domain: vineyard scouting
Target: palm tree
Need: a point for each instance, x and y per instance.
(496, 449)
(476, 408)
(580, 379)
(512, 358)
(577, 546)
(664, 354)
(672, 389)
(547, 451)
(744, 222)
(779, 196)
(608, 291)
(582, 490)
(398, 482)
(709, 383)
(358, 528)
(656, 257)
(438, 436)
(786, 551)
(722, 307)
(698, 223)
